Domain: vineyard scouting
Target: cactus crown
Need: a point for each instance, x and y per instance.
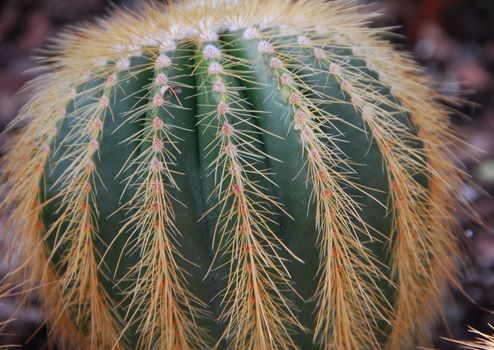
(221, 140)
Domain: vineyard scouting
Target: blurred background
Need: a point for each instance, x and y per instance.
(453, 39)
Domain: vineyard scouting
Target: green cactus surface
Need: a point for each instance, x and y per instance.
(227, 174)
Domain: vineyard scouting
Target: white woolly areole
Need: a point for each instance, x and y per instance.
(319, 53)
(357, 100)
(346, 86)
(300, 116)
(302, 40)
(158, 101)
(104, 101)
(215, 68)
(286, 79)
(251, 33)
(334, 68)
(265, 47)
(89, 165)
(93, 145)
(222, 108)
(157, 145)
(111, 80)
(367, 112)
(227, 129)
(97, 124)
(161, 79)
(158, 124)
(156, 165)
(123, 63)
(294, 98)
(163, 61)
(276, 63)
(211, 51)
(219, 86)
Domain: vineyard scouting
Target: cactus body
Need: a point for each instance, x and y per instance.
(238, 175)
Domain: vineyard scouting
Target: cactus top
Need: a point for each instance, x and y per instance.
(262, 174)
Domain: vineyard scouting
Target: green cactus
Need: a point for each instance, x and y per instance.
(239, 175)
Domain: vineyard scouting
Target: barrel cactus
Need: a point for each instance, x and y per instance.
(234, 175)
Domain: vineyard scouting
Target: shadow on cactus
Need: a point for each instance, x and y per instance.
(234, 175)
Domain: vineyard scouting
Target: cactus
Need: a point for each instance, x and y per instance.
(234, 174)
